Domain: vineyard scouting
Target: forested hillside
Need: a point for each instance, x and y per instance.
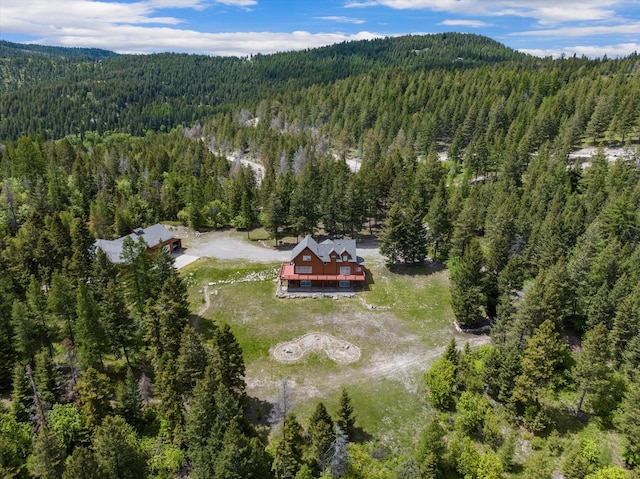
(134, 94)
(460, 161)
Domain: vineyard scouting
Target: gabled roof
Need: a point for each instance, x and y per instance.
(324, 249)
(152, 236)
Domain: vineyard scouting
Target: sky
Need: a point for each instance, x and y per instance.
(244, 27)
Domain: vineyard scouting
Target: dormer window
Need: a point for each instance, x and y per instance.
(345, 257)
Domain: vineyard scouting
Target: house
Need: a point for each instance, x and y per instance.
(331, 264)
(154, 236)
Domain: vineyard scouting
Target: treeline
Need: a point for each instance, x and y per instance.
(10, 49)
(134, 94)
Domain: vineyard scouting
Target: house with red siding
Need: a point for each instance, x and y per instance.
(332, 264)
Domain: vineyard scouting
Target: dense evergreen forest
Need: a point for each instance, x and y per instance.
(448, 148)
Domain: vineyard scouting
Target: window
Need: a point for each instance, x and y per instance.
(345, 270)
(345, 257)
(345, 284)
(304, 269)
(305, 283)
(358, 269)
(306, 257)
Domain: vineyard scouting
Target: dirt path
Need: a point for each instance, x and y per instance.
(207, 301)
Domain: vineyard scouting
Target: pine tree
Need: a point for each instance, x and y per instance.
(94, 394)
(129, 400)
(468, 285)
(227, 358)
(393, 235)
(27, 332)
(47, 458)
(287, 459)
(61, 302)
(82, 464)
(439, 223)
(346, 420)
(117, 449)
(542, 361)
(202, 414)
(321, 435)
(192, 360)
(627, 422)
(171, 406)
(451, 353)
(240, 457)
(118, 325)
(593, 372)
(22, 394)
(90, 334)
(47, 378)
(430, 450)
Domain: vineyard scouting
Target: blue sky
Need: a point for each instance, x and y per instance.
(242, 27)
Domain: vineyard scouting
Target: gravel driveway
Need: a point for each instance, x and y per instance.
(221, 245)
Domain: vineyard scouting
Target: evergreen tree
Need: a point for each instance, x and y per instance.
(628, 424)
(430, 450)
(241, 457)
(346, 420)
(171, 406)
(593, 372)
(94, 395)
(227, 358)
(47, 457)
(192, 359)
(129, 400)
(119, 327)
(541, 363)
(47, 378)
(404, 238)
(451, 352)
(202, 415)
(438, 223)
(467, 285)
(117, 449)
(22, 394)
(321, 436)
(82, 464)
(61, 302)
(27, 332)
(287, 459)
(90, 334)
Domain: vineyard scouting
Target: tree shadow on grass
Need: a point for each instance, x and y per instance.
(425, 268)
(258, 412)
(360, 435)
(566, 421)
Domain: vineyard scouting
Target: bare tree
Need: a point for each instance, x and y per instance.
(283, 403)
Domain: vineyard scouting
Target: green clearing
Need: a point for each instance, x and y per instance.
(409, 325)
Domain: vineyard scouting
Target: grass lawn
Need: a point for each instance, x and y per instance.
(400, 325)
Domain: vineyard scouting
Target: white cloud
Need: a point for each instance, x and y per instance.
(583, 31)
(464, 23)
(238, 3)
(544, 11)
(135, 39)
(618, 50)
(339, 19)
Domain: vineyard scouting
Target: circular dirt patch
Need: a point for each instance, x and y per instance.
(338, 350)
